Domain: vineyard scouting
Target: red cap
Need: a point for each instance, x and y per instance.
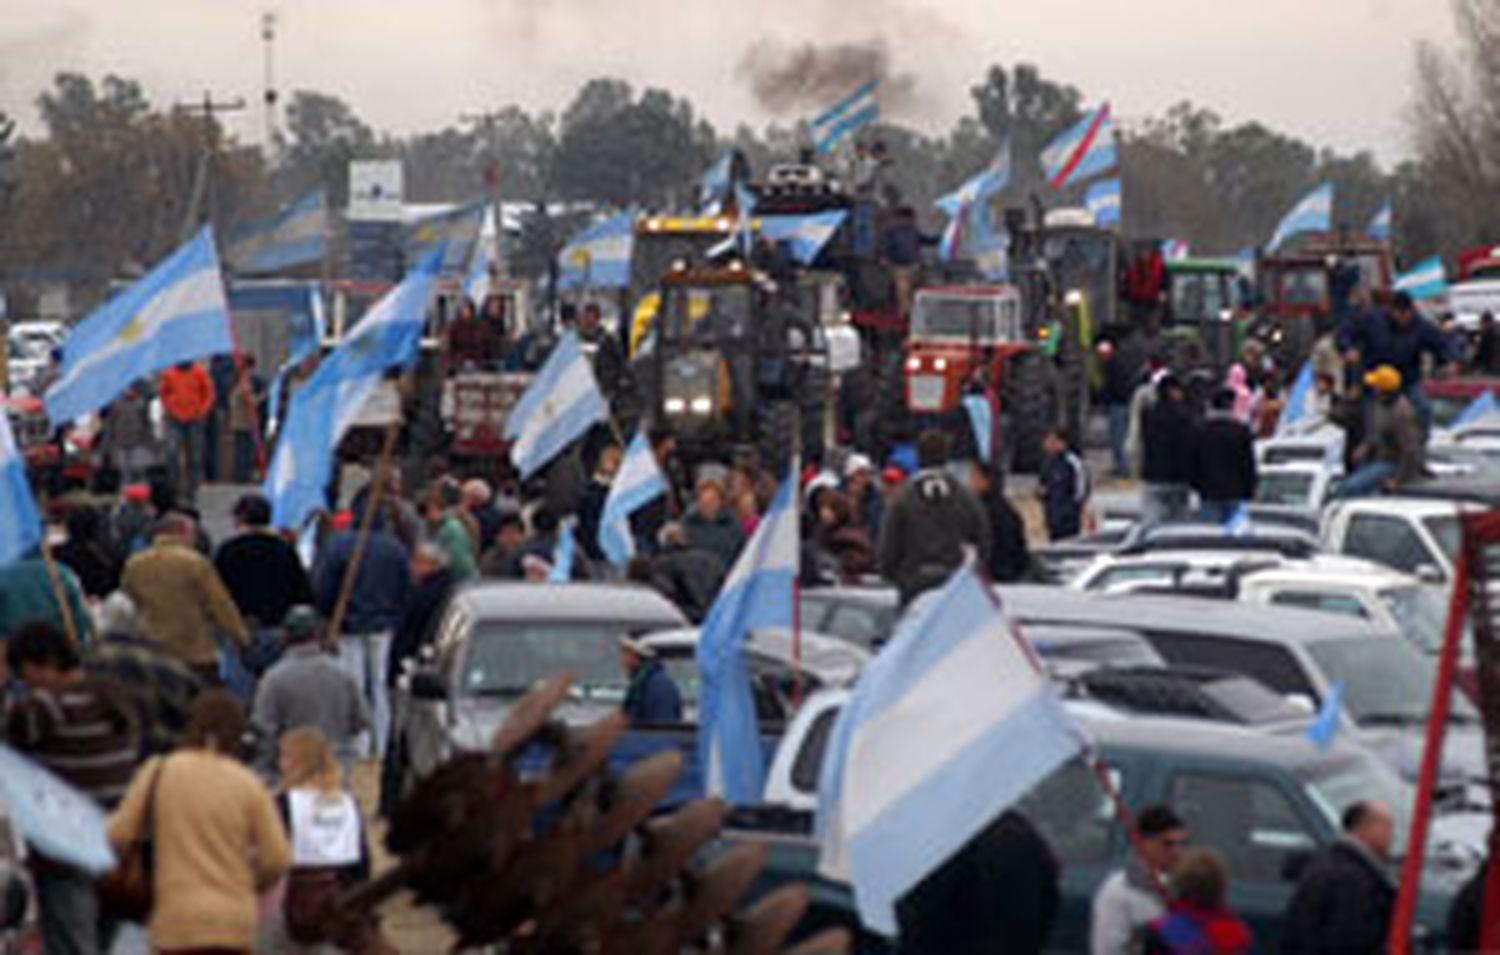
(342, 521)
(136, 493)
(893, 475)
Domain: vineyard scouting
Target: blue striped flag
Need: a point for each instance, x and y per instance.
(564, 553)
(20, 521)
(454, 233)
(804, 235)
(949, 726)
(295, 237)
(1380, 225)
(176, 313)
(1428, 280)
(1300, 409)
(1482, 407)
(982, 423)
(599, 256)
(1082, 151)
(992, 179)
(638, 482)
(558, 408)
(848, 115)
(758, 594)
(1103, 202)
(1326, 726)
(714, 186)
(1312, 213)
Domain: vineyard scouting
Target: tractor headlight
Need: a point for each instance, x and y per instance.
(940, 364)
(1226, 314)
(1073, 298)
(703, 405)
(674, 405)
(914, 363)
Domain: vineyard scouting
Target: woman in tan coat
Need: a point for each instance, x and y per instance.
(218, 838)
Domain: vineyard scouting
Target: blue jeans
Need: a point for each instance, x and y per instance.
(1119, 427)
(1162, 503)
(1367, 479)
(366, 656)
(1219, 512)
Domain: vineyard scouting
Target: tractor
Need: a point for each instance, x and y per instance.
(1305, 292)
(1202, 323)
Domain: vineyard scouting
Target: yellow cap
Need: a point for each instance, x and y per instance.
(1384, 379)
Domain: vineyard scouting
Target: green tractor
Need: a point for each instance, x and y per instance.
(1203, 321)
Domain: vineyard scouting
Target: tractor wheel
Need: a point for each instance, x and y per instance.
(887, 411)
(776, 437)
(1028, 408)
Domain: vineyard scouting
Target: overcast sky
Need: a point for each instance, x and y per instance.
(1335, 72)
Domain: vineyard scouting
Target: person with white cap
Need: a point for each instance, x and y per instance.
(859, 485)
(652, 696)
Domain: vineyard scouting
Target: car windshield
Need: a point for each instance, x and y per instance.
(1337, 786)
(1288, 488)
(957, 317)
(1304, 287)
(1445, 530)
(508, 658)
(1419, 613)
(1386, 681)
(1198, 297)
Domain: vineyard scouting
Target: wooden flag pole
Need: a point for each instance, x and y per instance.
(373, 501)
(60, 593)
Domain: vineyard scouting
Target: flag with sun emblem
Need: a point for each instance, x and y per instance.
(177, 312)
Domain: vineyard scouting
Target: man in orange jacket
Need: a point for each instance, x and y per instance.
(187, 399)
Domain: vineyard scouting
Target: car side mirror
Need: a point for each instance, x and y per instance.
(1294, 863)
(427, 685)
(1431, 574)
(1302, 703)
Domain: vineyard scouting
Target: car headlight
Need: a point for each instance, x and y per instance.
(675, 405)
(940, 364)
(914, 363)
(703, 404)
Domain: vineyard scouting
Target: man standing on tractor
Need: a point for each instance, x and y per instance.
(609, 358)
(1398, 338)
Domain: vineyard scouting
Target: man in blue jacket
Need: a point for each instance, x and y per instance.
(653, 696)
(1398, 338)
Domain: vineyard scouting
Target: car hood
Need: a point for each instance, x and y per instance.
(1402, 747)
(479, 718)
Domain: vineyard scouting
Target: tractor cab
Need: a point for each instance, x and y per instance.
(1305, 290)
(956, 332)
(1203, 305)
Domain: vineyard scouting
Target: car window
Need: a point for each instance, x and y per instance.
(1135, 573)
(1292, 488)
(1387, 540)
(1325, 601)
(862, 624)
(1271, 664)
(809, 762)
(1074, 814)
(772, 682)
(1251, 822)
(509, 658)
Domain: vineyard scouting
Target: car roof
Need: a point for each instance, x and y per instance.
(1478, 489)
(831, 659)
(1410, 502)
(1200, 737)
(1280, 625)
(873, 596)
(1370, 576)
(633, 606)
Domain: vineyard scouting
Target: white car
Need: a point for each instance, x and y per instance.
(1415, 535)
(1202, 571)
(1323, 444)
(1302, 486)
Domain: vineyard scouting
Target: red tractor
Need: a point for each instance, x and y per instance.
(959, 332)
(1303, 290)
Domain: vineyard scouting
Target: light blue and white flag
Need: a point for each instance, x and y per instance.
(388, 336)
(1175, 250)
(1484, 406)
(638, 482)
(1085, 150)
(454, 233)
(1326, 726)
(949, 726)
(176, 313)
(563, 554)
(300, 306)
(714, 186)
(295, 237)
(988, 246)
(20, 521)
(804, 235)
(1312, 213)
(1300, 410)
(1237, 521)
(1428, 280)
(562, 403)
(1103, 202)
(1380, 226)
(982, 421)
(477, 282)
(970, 231)
(599, 256)
(51, 815)
(848, 115)
(994, 178)
(758, 594)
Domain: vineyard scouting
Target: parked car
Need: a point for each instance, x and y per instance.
(1298, 486)
(1415, 535)
(865, 616)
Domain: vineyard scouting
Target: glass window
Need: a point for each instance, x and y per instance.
(772, 682)
(1421, 615)
(1334, 788)
(1446, 531)
(863, 624)
(1134, 574)
(1386, 540)
(1073, 814)
(808, 765)
(1270, 664)
(1386, 681)
(1288, 489)
(1251, 822)
(1325, 601)
(1304, 287)
(968, 317)
(508, 659)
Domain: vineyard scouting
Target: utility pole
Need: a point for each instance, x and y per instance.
(489, 122)
(269, 94)
(199, 204)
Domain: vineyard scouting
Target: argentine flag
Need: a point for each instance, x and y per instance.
(297, 236)
(1082, 151)
(1380, 226)
(176, 313)
(1485, 406)
(1312, 213)
(848, 115)
(758, 594)
(1427, 280)
(20, 521)
(599, 256)
(638, 482)
(994, 178)
(804, 235)
(562, 403)
(949, 726)
(387, 336)
(1300, 409)
(1103, 202)
(714, 185)
(564, 553)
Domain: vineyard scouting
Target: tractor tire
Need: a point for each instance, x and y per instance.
(776, 435)
(1029, 409)
(887, 412)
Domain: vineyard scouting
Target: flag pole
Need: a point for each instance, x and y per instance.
(248, 397)
(366, 524)
(60, 593)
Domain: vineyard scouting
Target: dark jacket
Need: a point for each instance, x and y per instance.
(1342, 905)
(1382, 342)
(427, 601)
(264, 576)
(721, 536)
(1064, 489)
(1167, 440)
(925, 530)
(688, 577)
(590, 511)
(652, 696)
(998, 893)
(1466, 914)
(381, 590)
(97, 569)
(1224, 459)
(1010, 556)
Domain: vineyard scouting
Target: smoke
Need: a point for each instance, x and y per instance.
(786, 77)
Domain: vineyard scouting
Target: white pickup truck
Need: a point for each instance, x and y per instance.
(1415, 535)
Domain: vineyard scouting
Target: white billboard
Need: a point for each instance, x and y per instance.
(376, 190)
